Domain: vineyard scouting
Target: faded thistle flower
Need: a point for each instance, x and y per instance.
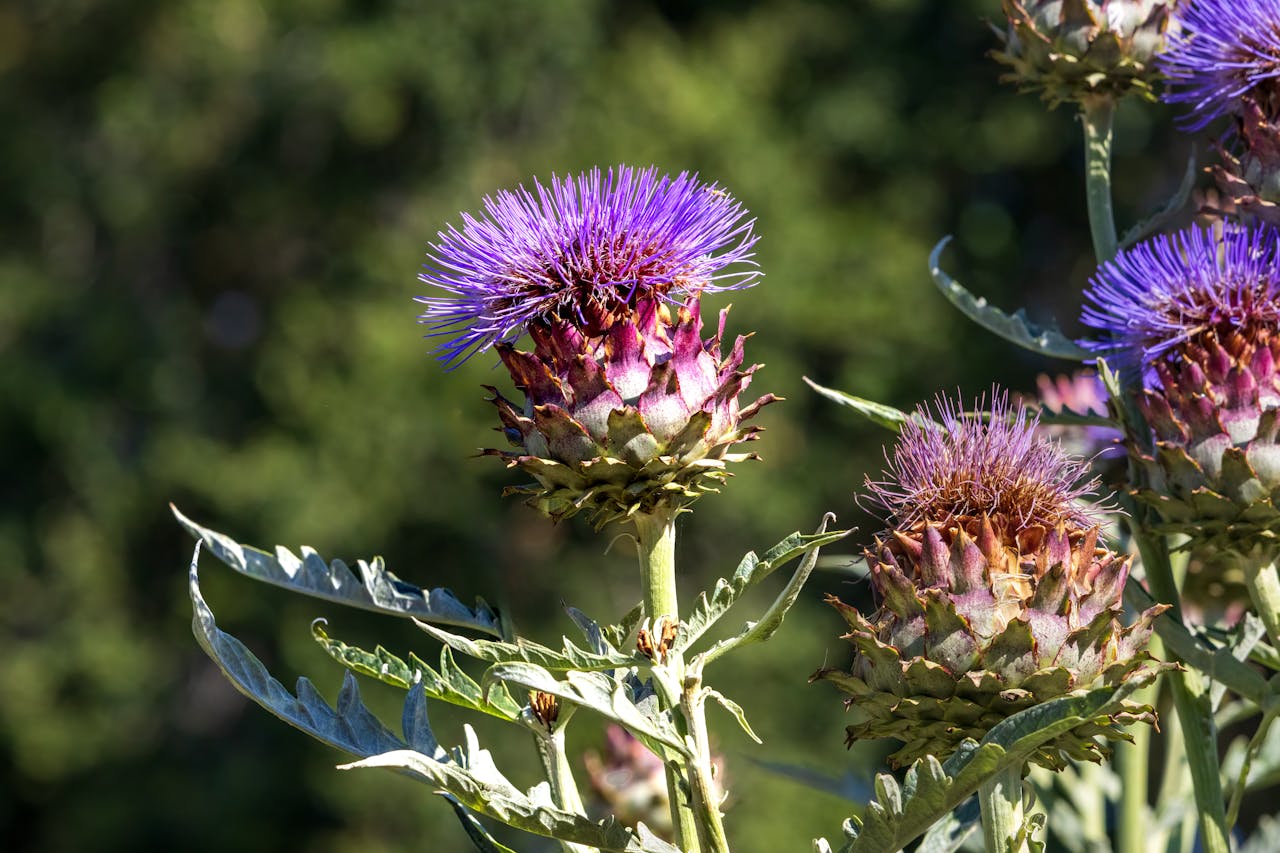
(1195, 315)
(630, 783)
(996, 593)
(1226, 62)
(1072, 50)
(583, 251)
(626, 406)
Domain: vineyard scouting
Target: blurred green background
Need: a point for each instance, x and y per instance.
(212, 217)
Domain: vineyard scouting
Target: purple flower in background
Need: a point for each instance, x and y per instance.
(1225, 50)
(583, 251)
(1168, 292)
(994, 464)
(1080, 393)
(1199, 312)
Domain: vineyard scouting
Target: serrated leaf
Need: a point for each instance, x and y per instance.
(467, 774)
(880, 414)
(376, 589)
(771, 621)
(449, 683)
(592, 632)
(612, 698)
(526, 651)
(1218, 664)
(709, 608)
(931, 789)
(735, 709)
(1015, 327)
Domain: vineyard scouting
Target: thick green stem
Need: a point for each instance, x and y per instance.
(1000, 798)
(1096, 115)
(564, 790)
(1264, 588)
(1190, 699)
(706, 798)
(656, 542)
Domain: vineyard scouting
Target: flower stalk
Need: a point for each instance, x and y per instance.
(1260, 576)
(656, 543)
(706, 805)
(1096, 116)
(1003, 815)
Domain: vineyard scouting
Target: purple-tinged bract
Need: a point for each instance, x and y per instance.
(996, 592)
(642, 417)
(1224, 52)
(582, 250)
(1196, 315)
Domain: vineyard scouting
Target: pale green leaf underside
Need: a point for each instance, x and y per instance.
(448, 683)
(600, 692)
(771, 621)
(467, 773)
(525, 651)
(1012, 327)
(375, 589)
(709, 608)
(901, 813)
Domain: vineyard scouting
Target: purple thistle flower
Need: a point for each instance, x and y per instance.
(956, 466)
(1225, 50)
(583, 251)
(1166, 292)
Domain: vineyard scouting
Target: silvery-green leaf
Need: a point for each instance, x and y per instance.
(376, 589)
(467, 773)
(771, 621)
(950, 833)
(709, 608)
(1217, 664)
(484, 791)
(878, 413)
(612, 698)
(733, 708)
(526, 651)
(592, 631)
(1012, 327)
(449, 683)
(1162, 217)
(901, 813)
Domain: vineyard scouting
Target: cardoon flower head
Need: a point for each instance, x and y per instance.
(1197, 314)
(1080, 393)
(584, 250)
(995, 591)
(1072, 50)
(1226, 53)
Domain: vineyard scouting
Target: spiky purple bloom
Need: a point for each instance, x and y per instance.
(1226, 50)
(1164, 293)
(950, 465)
(995, 592)
(1198, 313)
(582, 250)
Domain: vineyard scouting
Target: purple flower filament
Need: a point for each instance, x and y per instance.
(1225, 50)
(582, 250)
(1166, 292)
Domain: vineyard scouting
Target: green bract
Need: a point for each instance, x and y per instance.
(1070, 50)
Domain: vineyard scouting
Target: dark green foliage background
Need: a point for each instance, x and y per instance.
(211, 216)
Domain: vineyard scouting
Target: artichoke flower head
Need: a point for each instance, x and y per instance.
(996, 593)
(1195, 315)
(626, 405)
(1225, 62)
(1070, 50)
